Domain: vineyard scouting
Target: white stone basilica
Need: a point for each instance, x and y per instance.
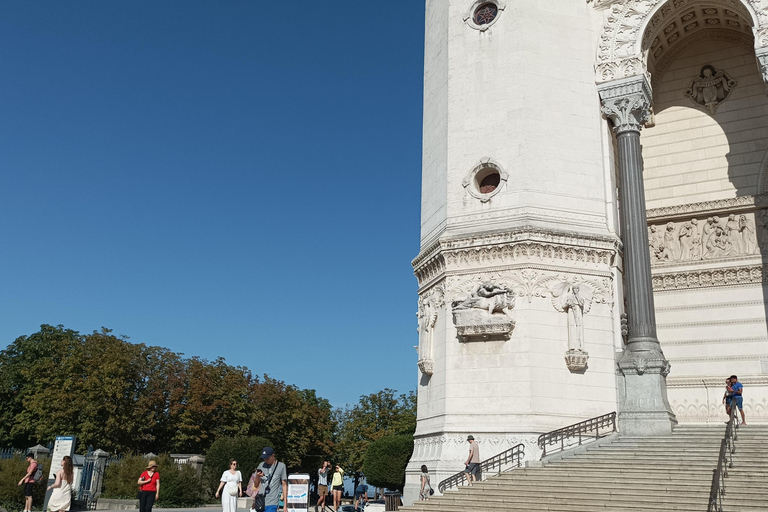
(594, 219)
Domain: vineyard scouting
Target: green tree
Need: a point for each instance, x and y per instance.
(180, 485)
(386, 459)
(375, 416)
(300, 423)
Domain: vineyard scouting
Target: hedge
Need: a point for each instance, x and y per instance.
(12, 494)
(247, 452)
(180, 485)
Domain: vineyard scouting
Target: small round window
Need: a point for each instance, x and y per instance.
(489, 183)
(485, 14)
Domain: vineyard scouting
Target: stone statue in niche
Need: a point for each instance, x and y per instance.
(575, 300)
(429, 305)
(486, 314)
(710, 88)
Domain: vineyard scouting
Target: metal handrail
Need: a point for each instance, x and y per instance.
(577, 430)
(514, 455)
(724, 461)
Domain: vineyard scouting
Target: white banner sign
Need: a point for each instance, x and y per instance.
(65, 445)
(298, 493)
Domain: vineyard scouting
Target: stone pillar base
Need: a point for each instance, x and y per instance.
(643, 408)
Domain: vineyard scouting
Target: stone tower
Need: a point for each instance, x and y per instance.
(519, 292)
(539, 275)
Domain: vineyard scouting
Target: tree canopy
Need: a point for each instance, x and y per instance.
(375, 416)
(133, 398)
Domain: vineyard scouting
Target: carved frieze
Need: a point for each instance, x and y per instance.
(710, 278)
(713, 238)
(721, 207)
(513, 248)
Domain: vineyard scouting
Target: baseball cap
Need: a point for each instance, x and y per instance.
(267, 452)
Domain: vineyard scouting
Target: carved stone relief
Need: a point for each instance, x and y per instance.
(430, 304)
(482, 305)
(710, 88)
(486, 313)
(706, 239)
(621, 49)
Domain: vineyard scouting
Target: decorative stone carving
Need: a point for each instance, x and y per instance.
(430, 304)
(620, 49)
(708, 278)
(482, 306)
(762, 57)
(717, 238)
(486, 314)
(527, 245)
(575, 300)
(627, 104)
(710, 88)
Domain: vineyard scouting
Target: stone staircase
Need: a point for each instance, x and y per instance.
(627, 474)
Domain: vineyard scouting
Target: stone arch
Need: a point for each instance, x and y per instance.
(621, 52)
(762, 178)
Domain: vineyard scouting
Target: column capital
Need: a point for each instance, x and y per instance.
(626, 103)
(762, 62)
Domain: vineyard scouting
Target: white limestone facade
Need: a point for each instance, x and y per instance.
(521, 286)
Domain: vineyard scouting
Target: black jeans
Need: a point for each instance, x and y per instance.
(146, 501)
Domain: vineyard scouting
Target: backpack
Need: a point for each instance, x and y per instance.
(38, 472)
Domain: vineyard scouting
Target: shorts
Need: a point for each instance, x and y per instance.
(322, 490)
(270, 508)
(472, 468)
(28, 488)
(728, 400)
(338, 487)
(739, 401)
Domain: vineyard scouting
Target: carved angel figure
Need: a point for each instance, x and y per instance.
(490, 297)
(574, 300)
(710, 88)
(670, 244)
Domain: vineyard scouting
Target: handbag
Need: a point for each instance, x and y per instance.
(431, 490)
(233, 492)
(258, 503)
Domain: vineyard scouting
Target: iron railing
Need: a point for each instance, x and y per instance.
(594, 427)
(724, 461)
(512, 457)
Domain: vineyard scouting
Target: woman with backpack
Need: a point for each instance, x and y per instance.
(61, 497)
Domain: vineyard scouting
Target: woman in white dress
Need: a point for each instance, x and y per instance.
(61, 497)
(231, 481)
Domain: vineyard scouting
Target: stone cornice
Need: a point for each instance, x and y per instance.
(527, 244)
(715, 382)
(710, 278)
(707, 208)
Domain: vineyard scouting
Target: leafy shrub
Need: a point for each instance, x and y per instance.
(246, 450)
(385, 461)
(12, 494)
(180, 485)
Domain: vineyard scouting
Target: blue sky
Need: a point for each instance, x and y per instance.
(230, 178)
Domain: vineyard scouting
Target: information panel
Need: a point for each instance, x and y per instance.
(298, 493)
(65, 445)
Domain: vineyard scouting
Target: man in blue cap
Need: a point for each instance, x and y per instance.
(274, 481)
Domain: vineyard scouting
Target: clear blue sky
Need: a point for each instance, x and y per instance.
(222, 178)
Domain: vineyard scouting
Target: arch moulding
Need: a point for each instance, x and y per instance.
(620, 53)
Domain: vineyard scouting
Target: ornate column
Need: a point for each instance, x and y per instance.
(643, 408)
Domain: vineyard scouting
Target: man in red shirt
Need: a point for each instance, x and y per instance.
(28, 481)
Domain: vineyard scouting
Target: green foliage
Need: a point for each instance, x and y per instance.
(246, 450)
(121, 477)
(126, 398)
(180, 485)
(375, 416)
(12, 494)
(385, 461)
